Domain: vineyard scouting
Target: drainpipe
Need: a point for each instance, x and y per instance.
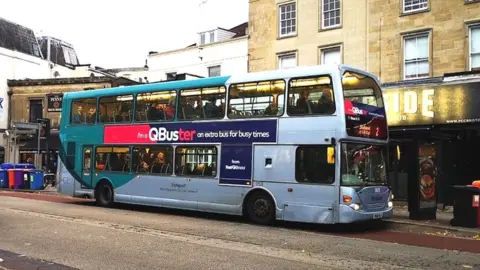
(9, 127)
(9, 102)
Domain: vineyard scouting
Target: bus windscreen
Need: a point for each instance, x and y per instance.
(364, 107)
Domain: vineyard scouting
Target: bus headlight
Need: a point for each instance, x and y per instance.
(354, 206)
(390, 204)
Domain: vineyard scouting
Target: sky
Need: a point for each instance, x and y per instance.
(115, 34)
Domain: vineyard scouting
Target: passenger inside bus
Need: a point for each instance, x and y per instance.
(77, 117)
(272, 108)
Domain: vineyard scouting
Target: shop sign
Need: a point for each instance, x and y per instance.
(440, 104)
(54, 102)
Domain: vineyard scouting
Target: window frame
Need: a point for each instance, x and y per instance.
(134, 118)
(114, 96)
(141, 146)
(279, 16)
(470, 28)
(213, 67)
(256, 117)
(198, 146)
(307, 77)
(95, 122)
(405, 37)
(322, 16)
(286, 55)
(330, 48)
(179, 92)
(324, 146)
(404, 6)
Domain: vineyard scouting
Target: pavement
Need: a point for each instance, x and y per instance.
(77, 234)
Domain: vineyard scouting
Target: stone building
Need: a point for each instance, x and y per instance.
(298, 33)
(42, 99)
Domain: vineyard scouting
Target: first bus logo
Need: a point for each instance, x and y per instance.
(162, 134)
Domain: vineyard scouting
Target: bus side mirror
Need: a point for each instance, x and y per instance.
(330, 155)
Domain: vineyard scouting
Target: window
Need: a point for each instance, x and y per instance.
(156, 106)
(288, 19)
(84, 111)
(312, 95)
(414, 5)
(212, 37)
(330, 13)
(171, 76)
(112, 159)
(331, 56)
(36, 110)
(287, 61)
(256, 99)
(416, 57)
(475, 47)
(115, 109)
(202, 38)
(205, 103)
(197, 161)
(315, 164)
(153, 159)
(87, 159)
(214, 71)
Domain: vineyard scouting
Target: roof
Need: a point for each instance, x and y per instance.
(239, 31)
(76, 80)
(142, 88)
(19, 38)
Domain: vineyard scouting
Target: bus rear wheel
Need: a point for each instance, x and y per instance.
(261, 208)
(104, 194)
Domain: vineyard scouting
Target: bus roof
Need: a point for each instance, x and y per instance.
(303, 71)
(172, 85)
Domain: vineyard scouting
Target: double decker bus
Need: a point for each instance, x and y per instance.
(307, 144)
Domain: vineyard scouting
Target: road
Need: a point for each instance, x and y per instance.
(82, 236)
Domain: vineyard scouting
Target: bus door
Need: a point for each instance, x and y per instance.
(87, 164)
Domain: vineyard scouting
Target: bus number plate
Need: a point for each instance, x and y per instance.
(377, 215)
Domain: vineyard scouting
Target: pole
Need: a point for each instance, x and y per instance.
(38, 159)
(15, 146)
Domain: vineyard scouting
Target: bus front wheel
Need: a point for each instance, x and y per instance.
(104, 194)
(261, 208)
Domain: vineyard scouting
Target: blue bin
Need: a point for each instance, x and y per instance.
(6, 166)
(24, 166)
(3, 178)
(36, 179)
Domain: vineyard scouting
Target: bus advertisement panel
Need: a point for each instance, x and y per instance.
(236, 139)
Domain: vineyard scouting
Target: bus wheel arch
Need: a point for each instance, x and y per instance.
(259, 206)
(104, 194)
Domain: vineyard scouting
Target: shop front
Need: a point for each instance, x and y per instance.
(48, 148)
(435, 138)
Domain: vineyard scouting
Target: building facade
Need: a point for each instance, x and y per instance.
(286, 33)
(42, 99)
(427, 55)
(217, 52)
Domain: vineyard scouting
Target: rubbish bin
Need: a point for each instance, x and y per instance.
(4, 174)
(36, 180)
(24, 166)
(17, 178)
(11, 178)
(26, 179)
(466, 209)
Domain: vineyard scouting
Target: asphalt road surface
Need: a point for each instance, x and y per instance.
(87, 237)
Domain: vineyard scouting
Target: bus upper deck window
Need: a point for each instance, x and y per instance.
(311, 95)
